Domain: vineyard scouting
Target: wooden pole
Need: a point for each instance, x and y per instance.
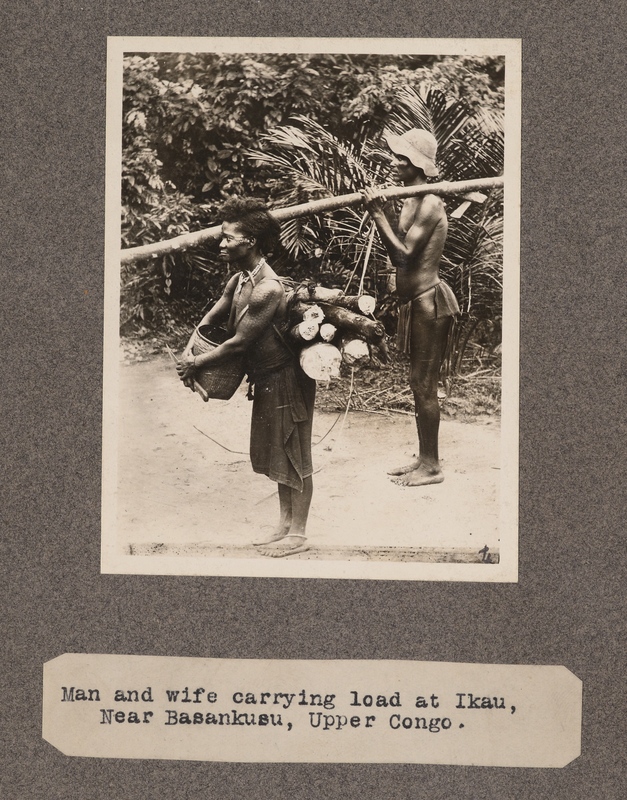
(323, 206)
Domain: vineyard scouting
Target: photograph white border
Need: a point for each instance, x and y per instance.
(506, 570)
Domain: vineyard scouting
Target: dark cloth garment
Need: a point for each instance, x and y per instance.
(438, 302)
(283, 406)
(281, 426)
(268, 354)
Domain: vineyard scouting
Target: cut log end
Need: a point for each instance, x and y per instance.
(305, 331)
(314, 313)
(321, 361)
(355, 352)
(366, 304)
(327, 332)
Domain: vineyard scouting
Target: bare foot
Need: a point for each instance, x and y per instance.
(407, 468)
(289, 546)
(423, 476)
(280, 533)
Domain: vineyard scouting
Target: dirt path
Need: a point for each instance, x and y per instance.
(181, 493)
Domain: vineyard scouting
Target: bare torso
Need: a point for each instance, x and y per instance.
(421, 271)
(415, 245)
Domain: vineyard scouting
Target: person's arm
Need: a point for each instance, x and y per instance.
(219, 312)
(403, 253)
(262, 307)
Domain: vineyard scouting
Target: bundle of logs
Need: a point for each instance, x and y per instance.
(330, 327)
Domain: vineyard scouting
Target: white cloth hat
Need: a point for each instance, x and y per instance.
(419, 146)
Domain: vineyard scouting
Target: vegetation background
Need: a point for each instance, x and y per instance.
(198, 128)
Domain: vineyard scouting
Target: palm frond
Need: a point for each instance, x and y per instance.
(306, 161)
(314, 163)
(468, 146)
(315, 160)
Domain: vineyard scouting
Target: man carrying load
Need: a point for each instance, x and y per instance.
(429, 305)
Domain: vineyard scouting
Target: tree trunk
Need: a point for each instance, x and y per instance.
(313, 293)
(363, 303)
(357, 324)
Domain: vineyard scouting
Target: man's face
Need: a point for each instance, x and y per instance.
(234, 244)
(405, 170)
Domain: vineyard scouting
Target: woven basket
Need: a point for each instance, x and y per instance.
(219, 382)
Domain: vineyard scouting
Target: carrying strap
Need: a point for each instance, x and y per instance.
(234, 319)
(282, 338)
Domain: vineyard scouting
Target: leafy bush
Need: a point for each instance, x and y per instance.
(313, 122)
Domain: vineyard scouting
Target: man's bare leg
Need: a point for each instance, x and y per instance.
(285, 517)
(295, 540)
(428, 346)
(428, 470)
(415, 464)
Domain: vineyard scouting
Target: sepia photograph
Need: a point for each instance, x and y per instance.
(311, 419)
(312, 308)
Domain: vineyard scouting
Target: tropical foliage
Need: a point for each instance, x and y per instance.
(342, 247)
(289, 128)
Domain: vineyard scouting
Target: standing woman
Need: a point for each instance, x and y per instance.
(254, 308)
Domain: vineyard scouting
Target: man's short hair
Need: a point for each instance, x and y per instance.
(254, 219)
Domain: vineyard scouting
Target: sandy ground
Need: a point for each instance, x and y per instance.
(181, 493)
